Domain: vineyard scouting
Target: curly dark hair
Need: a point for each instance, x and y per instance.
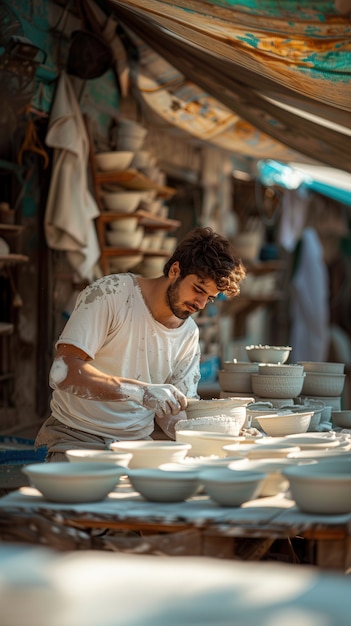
(209, 255)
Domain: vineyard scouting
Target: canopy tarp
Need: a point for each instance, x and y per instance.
(265, 78)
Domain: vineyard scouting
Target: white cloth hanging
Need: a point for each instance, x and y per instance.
(310, 330)
(70, 209)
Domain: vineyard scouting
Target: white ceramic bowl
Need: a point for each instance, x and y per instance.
(124, 263)
(235, 381)
(151, 454)
(229, 407)
(267, 386)
(126, 224)
(122, 201)
(342, 418)
(317, 383)
(215, 424)
(124, 239)
(98, 456)
(227, 487)
(74, 482)
(165, 485)
(273, 369)
(323, 367)
(321, 488)
(279, 425)
(204, 443)
(268, 354)
(114, 161)
(275, 482)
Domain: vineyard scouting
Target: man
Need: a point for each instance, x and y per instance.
(129, 353)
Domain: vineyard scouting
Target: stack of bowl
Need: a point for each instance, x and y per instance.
(324, 381)
(278, 381)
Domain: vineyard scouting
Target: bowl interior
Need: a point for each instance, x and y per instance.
(99, 456)
(268, 354)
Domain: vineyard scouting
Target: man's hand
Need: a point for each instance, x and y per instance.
(164, 400)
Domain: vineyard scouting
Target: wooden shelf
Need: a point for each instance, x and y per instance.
(132, 180)
(11, 228)
(13, 259)
(146, 219)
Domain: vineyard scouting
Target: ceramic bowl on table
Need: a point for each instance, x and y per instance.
(268, 354)
(323, 367)
(228, 487)
(280, 369)
(322, 384)
(342, 419)
(74, 482)
(267, 386)
(205, 443)
(215, 424)
(235, 381)
(318, 441)
(321, 488)
(164, 485)
(240, 367)
(151, 454)
(99, 456)
(114, 161)
(284, 423)
(275, 482)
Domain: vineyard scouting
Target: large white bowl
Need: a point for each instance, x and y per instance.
(321, 384)
(122, 201)
(73, 482)
(321, 488)
(152, 453)
(268, 354)
(279, 425)
(230, 407)
(114, 161)
(266, 386)
(215, 424)
(228, 487)
(342, 419)
(165, 485)
(99, 456)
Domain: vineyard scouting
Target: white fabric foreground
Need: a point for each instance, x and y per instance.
(39, 587)
(70, 208)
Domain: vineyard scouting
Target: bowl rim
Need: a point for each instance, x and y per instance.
(65, 471)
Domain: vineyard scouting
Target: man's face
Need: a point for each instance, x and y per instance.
(186, 296)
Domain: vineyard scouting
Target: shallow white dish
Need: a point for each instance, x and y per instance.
(73, 482)
(165, 485)
(265, 451)
(321, 488)
(279, 425)
(152, 453)
(268, 354)
(99, 456)
(311, 441)
(228, 487)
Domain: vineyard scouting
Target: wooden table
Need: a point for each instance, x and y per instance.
(124, 522)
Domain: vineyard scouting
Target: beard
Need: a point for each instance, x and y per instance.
(173, 301)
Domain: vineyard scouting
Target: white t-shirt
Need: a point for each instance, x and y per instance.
(113, 325)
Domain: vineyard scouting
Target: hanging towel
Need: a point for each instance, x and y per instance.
(310, 331)
(70, 209)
